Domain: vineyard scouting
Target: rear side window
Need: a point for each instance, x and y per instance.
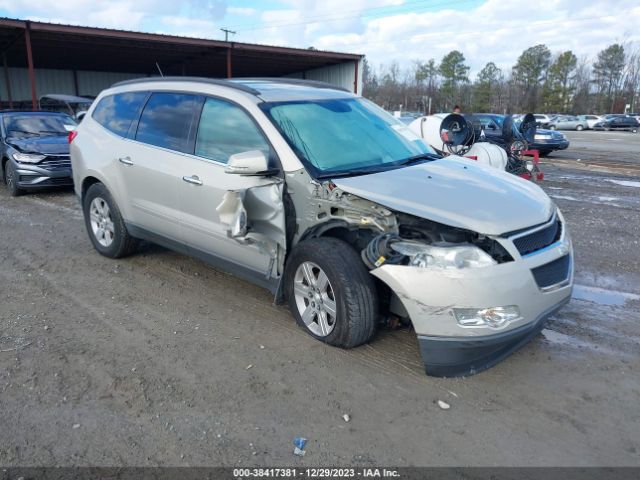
(116, 112)
(226, 129)
(167, 121)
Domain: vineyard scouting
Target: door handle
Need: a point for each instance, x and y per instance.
(125, 161)
(193, 180)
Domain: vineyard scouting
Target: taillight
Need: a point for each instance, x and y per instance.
(72, 134)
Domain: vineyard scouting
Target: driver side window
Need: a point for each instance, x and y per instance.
(226, 129)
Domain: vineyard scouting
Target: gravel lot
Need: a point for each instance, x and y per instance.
(158, 359)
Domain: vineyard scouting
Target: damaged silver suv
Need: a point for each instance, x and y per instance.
(332, 204)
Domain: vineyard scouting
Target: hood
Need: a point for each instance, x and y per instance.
(456, 192)
(47, 145)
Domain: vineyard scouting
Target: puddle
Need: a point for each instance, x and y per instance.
(562, 339)
(602, 296)
(564, 197)
(625, 183)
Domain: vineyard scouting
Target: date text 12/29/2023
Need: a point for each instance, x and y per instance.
(314, 473)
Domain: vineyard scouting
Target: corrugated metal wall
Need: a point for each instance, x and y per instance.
(92, 83)
(342, 75)
(58, 81)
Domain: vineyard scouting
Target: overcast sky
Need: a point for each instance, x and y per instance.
(384, 30)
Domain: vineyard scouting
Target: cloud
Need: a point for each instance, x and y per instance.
(386, 31)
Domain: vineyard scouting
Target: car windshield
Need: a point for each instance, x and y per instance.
(347, 136)
(31, 125)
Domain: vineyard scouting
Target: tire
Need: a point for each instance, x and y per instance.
(11, 180)
(355, 301)
(115, 241)
(579, 128)
(552, 127)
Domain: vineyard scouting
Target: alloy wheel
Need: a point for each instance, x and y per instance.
(101, 222)
(315, 299)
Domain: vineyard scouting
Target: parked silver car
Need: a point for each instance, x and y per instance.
(568, 122)
(331, 203)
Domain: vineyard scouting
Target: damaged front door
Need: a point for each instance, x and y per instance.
(238, 218)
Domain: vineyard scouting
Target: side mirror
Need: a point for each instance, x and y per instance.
(253, 162)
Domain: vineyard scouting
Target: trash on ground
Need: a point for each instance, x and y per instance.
(299, 443)
(346, 417)
(249, 366)
(443, 405)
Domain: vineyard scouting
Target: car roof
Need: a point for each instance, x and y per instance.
(266, 89)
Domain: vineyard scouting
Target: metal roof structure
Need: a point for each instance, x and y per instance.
(44, 45)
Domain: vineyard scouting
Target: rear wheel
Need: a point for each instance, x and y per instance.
(331, 293)
(105, 224)
(11, 180)
(579, 128)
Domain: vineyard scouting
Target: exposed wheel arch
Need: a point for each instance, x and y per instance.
(86, 183)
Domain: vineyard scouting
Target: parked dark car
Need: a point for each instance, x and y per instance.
(546, 141)
(618, 123)
(35, 150)
(71, 104)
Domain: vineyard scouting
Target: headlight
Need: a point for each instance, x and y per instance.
(492, 317)
(432, 256)
(28, 157)
(529, 165)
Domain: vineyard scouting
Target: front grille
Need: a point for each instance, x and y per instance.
(55, 163)
(539, 239)
(552, 273)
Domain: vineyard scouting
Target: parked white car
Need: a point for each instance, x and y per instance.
(332, 204)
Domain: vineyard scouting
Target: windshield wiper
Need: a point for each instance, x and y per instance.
(350, 173)
(55, 132)
(22, 131)
(418, 158)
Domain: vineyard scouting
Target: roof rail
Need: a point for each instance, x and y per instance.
(210, 81)
(291, 81)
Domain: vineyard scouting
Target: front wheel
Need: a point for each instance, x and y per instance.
(552, 127)
(11, 180)
(331, 293)
(105, 224)
(579, 128)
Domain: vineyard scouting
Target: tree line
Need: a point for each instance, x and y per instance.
(540, 81)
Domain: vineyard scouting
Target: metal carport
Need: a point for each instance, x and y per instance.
(72, 49)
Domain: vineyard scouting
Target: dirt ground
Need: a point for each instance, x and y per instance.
(159, 359)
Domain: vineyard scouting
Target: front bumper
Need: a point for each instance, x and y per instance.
(427, 297)
(455, 356)
(37, 176)
(550, 144)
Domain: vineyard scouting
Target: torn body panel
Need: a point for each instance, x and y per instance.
(320, 205)
(256, 216)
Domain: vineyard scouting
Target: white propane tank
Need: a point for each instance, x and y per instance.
(428, 128)
(488, 154)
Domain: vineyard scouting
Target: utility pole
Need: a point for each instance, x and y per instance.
(226, 33)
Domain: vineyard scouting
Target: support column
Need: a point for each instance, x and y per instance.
(229, 62)
(355, 82)
(75, 83)
(7, 79)
(32, 73)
